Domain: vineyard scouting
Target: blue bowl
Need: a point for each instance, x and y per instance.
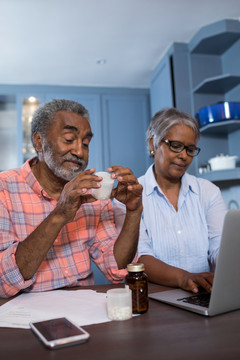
(218, 112)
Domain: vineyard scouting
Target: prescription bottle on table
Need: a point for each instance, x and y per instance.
(137, 281)
(119, 304)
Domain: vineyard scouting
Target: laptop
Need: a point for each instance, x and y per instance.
(225, 295)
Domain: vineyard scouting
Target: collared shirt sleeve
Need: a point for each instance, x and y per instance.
(101, 249)
(119, 210)
(215, 211)
(144, 244)
(11, 280)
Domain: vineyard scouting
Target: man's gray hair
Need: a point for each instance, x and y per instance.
(45, 114)
(164, 120)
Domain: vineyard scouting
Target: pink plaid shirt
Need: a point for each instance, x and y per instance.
(92, 233)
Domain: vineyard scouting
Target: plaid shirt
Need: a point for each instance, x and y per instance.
(92, 233)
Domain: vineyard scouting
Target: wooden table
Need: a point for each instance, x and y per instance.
(163, 333)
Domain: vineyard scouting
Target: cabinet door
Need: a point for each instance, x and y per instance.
(8, 133)
(125, 121)
(161, 87)
(92, 103)
(25, 110)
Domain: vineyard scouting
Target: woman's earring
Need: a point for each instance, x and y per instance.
(152, 153)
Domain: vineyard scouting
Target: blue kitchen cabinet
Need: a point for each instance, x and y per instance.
(198, 74)
(170, 83)
(215, 77)
(8, 131)
(24, 143)
(125, 121)
(161, 86)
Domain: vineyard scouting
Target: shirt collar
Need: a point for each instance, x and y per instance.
(150, 181)
(31, 180)
(188, 183)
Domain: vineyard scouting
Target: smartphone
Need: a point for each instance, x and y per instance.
(56, 333)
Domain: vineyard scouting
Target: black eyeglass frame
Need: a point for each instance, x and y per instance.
(188, 148)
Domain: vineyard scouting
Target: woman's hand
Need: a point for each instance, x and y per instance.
(163, 274)
(192, 281)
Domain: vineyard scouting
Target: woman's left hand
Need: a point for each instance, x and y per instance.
(192, 281)
(128, 190)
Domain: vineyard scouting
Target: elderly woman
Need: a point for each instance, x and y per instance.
(183, 215)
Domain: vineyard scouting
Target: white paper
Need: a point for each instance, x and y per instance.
(84, 307)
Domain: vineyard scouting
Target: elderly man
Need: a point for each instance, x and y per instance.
(50, 224)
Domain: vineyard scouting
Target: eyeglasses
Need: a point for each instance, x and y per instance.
(177, 147)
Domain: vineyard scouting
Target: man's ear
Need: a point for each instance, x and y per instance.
(37, 142)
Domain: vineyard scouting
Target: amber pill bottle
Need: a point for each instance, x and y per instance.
(137, 281)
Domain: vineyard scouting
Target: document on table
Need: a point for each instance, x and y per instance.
(84, 307)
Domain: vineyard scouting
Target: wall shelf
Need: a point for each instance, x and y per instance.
(214, 76)
(221, 127)
(215, 38)
(218, 84)
(222, 175)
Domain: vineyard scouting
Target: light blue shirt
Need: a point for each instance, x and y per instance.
(190, 237)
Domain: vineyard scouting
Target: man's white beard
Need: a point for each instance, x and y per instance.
(56, 168)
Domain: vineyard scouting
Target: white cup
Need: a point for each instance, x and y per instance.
(119, 303)
(104, 192)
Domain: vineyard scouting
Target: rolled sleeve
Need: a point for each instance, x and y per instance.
(11, 281)
(105, 261)
(102, 248)
(216, 212)
(113, 274)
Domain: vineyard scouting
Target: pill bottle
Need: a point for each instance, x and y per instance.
(119, 304)
(137, 281)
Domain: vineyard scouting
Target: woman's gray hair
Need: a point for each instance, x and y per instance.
(164, 120)
(45, 114)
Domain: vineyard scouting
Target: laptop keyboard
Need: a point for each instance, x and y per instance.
(199, 299)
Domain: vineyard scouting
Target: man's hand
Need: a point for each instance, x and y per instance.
(128, 190)
(76, 192)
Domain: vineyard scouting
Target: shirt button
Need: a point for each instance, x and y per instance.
(179, 232)
(66, 272)
(181, 252)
